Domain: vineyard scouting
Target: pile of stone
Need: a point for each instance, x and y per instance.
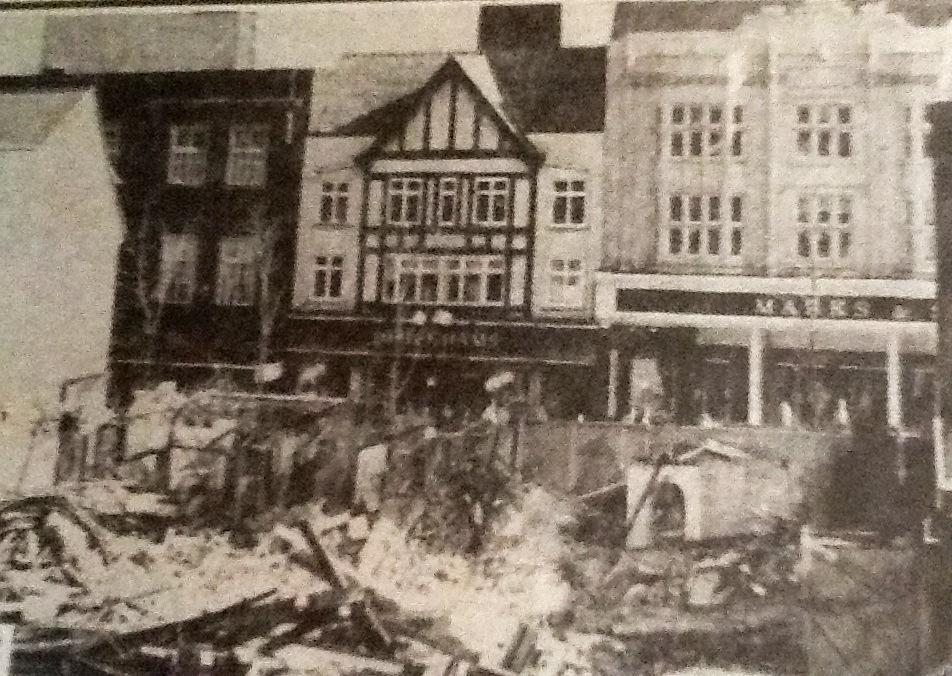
(315, 594)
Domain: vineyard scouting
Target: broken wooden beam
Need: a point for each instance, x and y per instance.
(522, 650)
(298, 657)
(326, 564)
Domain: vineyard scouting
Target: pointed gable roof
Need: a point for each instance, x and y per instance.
(356, 95)
(534, 90)
(471, 70)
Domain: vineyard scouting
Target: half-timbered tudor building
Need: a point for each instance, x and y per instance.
(449, 223)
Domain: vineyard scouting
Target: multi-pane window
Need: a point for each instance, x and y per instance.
(565, 281)
(328, 277)
(568, 206)
(188, 154)
(334, 203)
(825, 130)
(178, 268)
(491, 201)
(247, 163)
(824, 224)
(705, 130)
(237, 257)
(405, 201)
(704, 226)
(447, 201)
(444, 280)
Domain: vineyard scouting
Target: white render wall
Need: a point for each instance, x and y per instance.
(567, 157)
(821, 52)
(60, 230)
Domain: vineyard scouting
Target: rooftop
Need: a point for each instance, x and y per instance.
(724, 15)
(28, 117)
(538, 91)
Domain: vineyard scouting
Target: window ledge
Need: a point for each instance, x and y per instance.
(332, 226)
(571, 227)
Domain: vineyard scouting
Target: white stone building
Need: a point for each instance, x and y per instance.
(769, 208)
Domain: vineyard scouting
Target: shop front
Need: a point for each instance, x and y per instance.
(812, 354)
(440, 362)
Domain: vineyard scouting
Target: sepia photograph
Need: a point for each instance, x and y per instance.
(476, 338)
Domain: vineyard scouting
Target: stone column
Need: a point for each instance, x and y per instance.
(755, 378)
(894, 381)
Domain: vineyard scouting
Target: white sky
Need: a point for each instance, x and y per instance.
(310, 35)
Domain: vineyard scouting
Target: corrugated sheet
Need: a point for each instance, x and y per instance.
(27, 118)
(130, 43)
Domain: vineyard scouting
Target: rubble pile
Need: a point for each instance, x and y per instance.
(682, 577)
(514, 580)
(59, 565)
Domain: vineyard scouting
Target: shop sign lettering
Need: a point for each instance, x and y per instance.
(431, 338)
(875, 308)
(823, 307)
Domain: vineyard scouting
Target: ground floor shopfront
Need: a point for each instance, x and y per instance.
(444, 365)
(817, 354)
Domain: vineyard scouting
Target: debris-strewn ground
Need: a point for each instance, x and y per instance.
(405, 548)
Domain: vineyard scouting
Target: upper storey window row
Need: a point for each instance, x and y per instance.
(702, 130)
(189, 157)
(484, 201)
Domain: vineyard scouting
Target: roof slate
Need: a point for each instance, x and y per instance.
(28, 118)
(724, 15)
(552, 90)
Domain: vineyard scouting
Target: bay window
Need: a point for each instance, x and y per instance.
(444, 280)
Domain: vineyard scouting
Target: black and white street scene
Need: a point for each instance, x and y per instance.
(476, 337)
